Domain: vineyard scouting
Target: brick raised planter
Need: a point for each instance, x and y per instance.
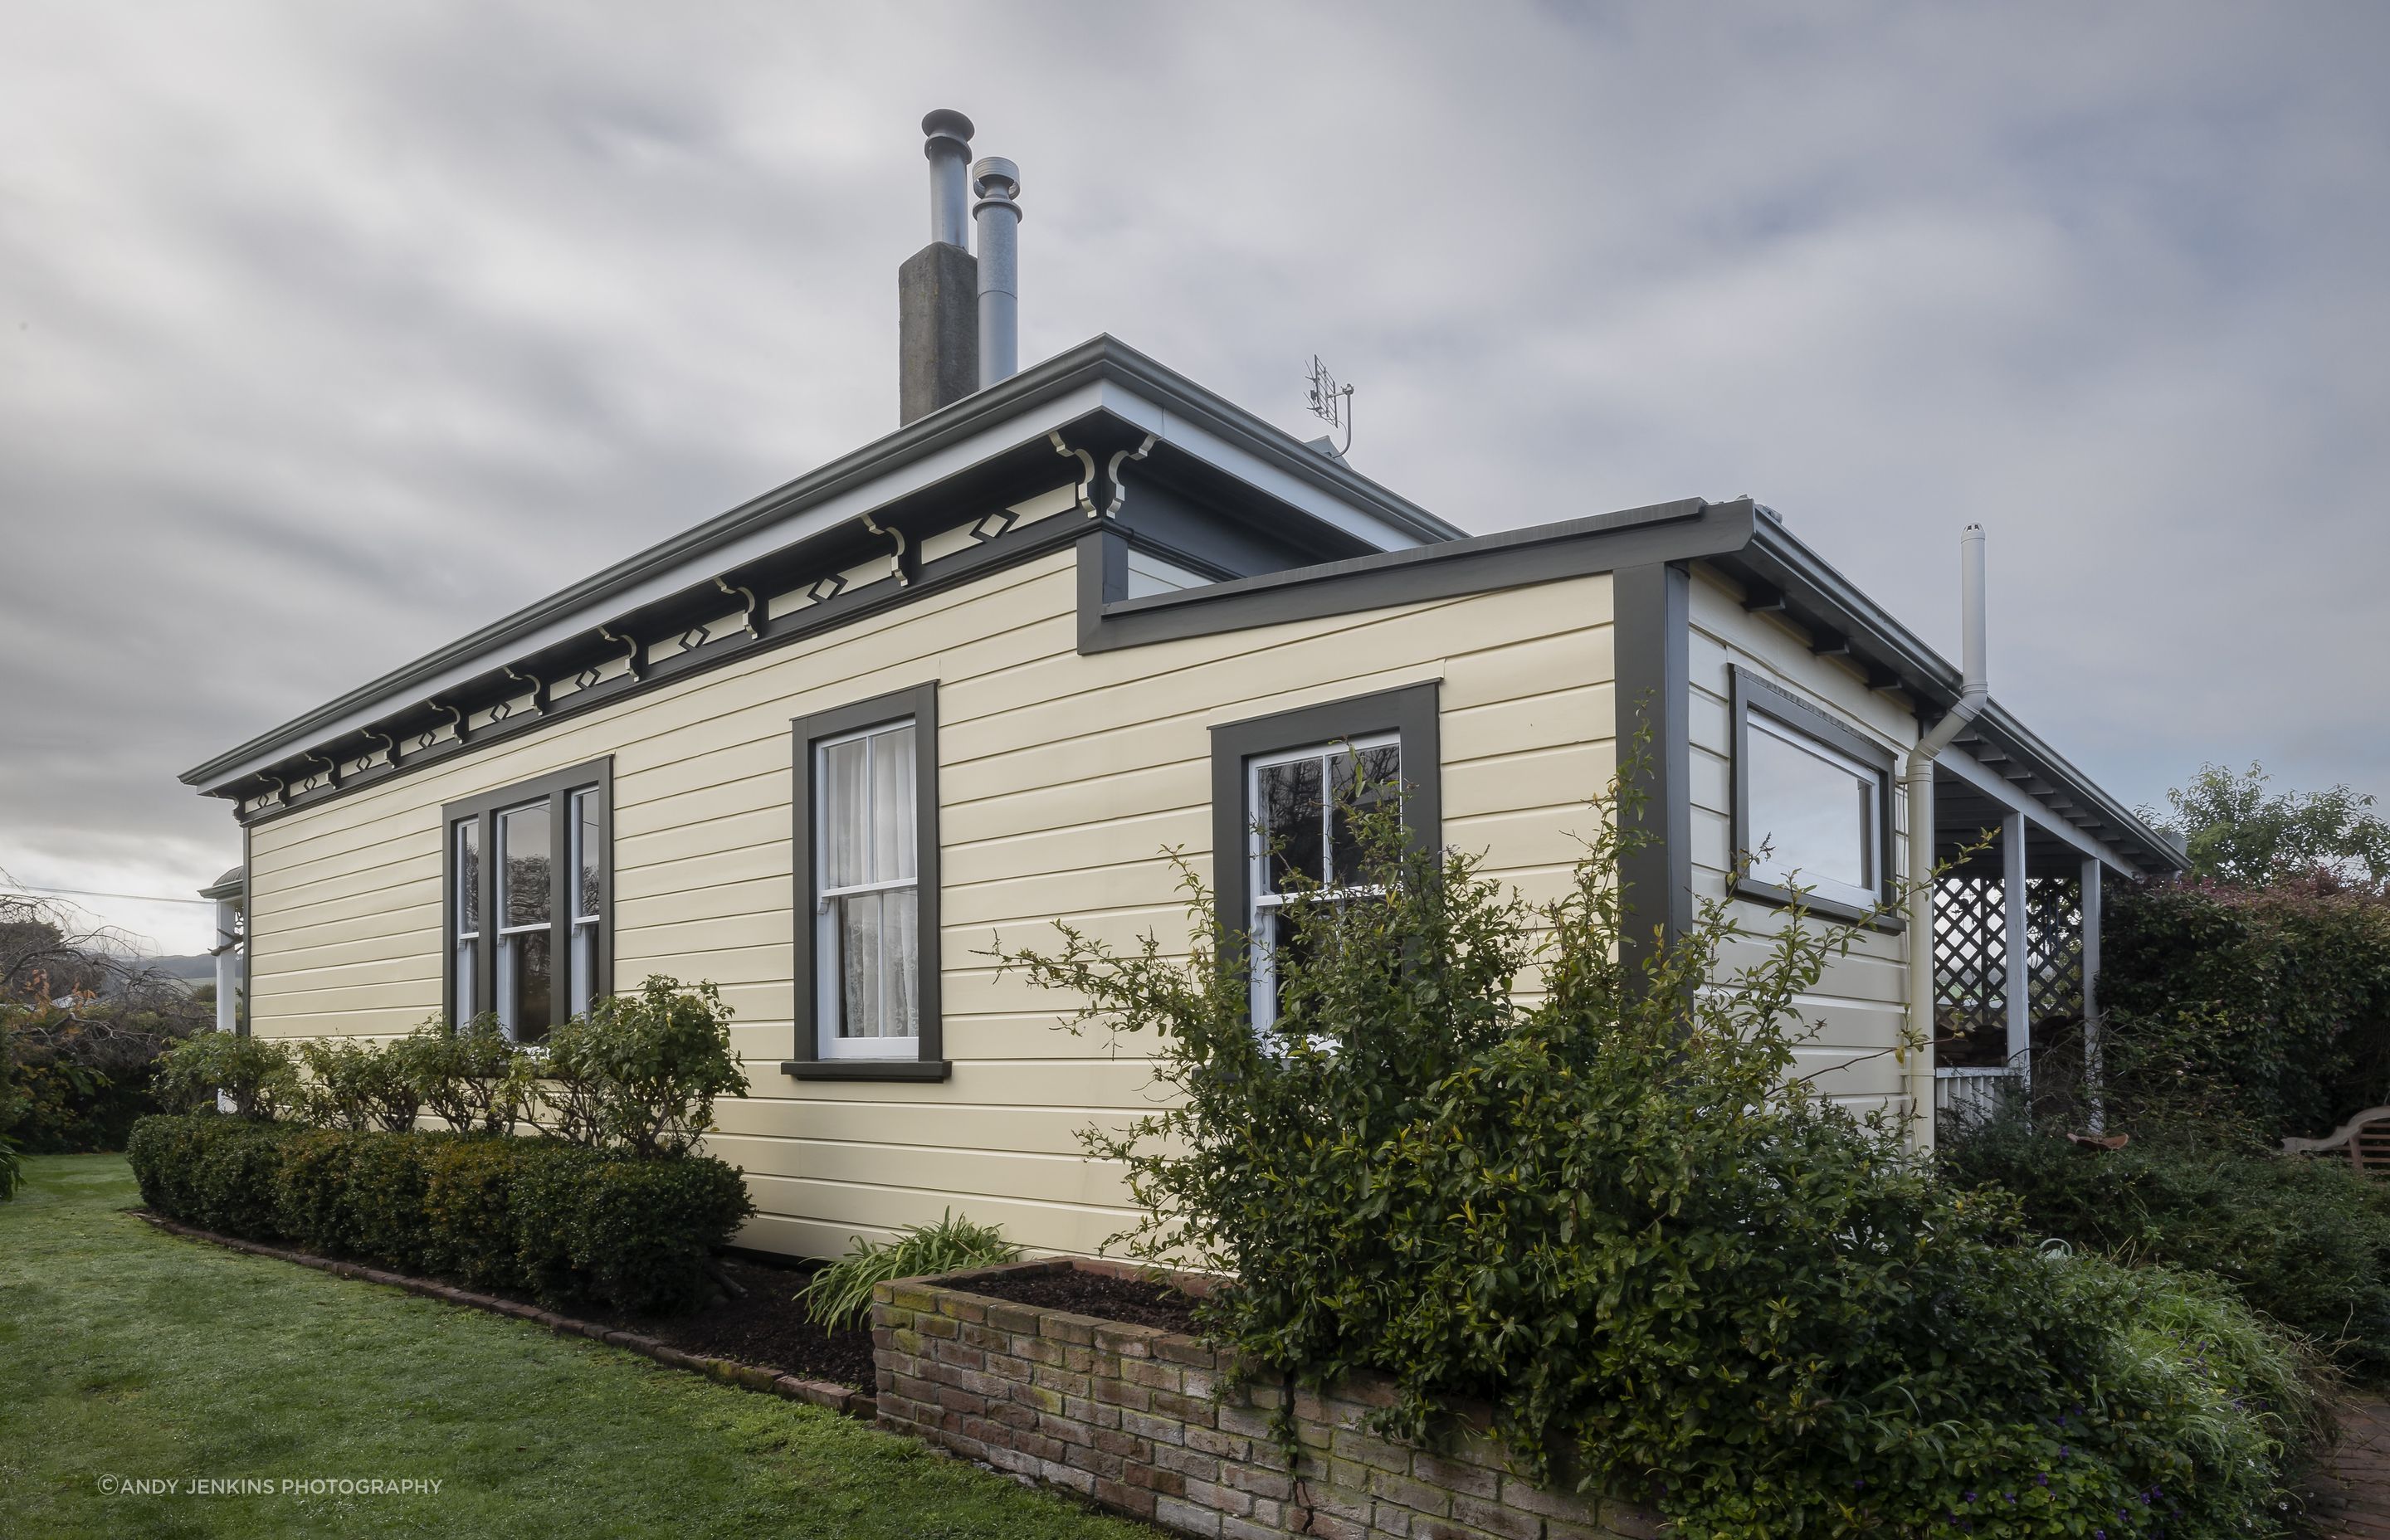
(1139, 1420)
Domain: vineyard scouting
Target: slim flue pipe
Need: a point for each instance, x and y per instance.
(997, 182)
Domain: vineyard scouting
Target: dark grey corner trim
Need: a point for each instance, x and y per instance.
(1103, 576)
(1545, 552)
(1651, 627)
(246, 1007)
(1409, 711)
(920, 703)
(1755, 692)
(554, 789)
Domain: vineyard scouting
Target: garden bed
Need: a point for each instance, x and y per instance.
(765, 1341)
(1142, 1419)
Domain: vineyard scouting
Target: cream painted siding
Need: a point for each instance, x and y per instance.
(1853, 1018)
(1061, 780)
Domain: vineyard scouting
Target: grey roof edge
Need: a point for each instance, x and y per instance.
(228, 886)
(1100, 358)
(1776, 555)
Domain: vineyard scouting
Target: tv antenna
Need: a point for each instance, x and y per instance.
(1331, 402)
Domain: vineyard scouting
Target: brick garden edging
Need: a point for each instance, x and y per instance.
(1138, 1420)
(842, 1399)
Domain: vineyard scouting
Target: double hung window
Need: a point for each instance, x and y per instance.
(1812, 804)
(867, 872)
(528, 932)
(1304, 802)
(1285, 791)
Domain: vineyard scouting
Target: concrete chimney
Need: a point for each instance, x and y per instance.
(997, 182)
(937, 321)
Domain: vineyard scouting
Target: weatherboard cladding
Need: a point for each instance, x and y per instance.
(1062, 778)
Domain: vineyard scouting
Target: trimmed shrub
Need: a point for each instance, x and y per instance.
(357, 1085)
(841, 1293)
(1547, 1159)
(258, 1075)
(641, 1071)
(470, 1076)
(493, 1213)
(2307, 1242)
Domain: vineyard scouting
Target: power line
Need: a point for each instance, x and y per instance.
(86, 892)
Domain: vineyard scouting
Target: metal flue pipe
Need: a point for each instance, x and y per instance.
(947, 136)
(1917, 779)
(997, 182)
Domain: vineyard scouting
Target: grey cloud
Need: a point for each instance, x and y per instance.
(321, 331)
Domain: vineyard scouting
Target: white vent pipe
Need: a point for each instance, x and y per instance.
(1917, 778)
(997, 182)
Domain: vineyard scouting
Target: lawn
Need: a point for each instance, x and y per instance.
(130, 1355)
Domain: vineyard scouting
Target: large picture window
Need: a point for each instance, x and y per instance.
(1284, 789)
(865, 847)
(1812, 804)
(528, 934)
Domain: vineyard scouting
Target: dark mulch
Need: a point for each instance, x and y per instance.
(1110, 1299)
(768, 1327)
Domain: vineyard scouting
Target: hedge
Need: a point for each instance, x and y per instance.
(523, 1215)
(2265, 1009)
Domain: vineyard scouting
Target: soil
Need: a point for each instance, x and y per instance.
(1110, 1299)
(768, 1327)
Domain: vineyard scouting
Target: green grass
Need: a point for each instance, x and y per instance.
(127, 1354)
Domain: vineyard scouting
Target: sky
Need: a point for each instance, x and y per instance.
(330, 333)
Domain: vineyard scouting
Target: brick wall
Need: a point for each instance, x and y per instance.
(1138, 1420)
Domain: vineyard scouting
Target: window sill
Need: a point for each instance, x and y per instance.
(1890, 923)
(866, 1069)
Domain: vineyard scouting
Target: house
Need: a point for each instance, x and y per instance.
(827, 749)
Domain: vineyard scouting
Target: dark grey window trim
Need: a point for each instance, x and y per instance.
(555, 790)
(1754, 692)
(919, 703)
(1409, 711)
(1651, 689)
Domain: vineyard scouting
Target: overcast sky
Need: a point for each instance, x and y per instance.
(327, 327)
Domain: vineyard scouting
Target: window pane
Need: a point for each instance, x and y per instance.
(586, 850)
(1287, 805)
(1816, 815)
(1363, 783)
(523, 857)
(900, 955)
(469, 875)
(844, 845)
(892, 805)
(469, 955)
(584, 967)
(523, 992)
(861, 999)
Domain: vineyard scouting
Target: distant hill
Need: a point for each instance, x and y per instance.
(201, 968)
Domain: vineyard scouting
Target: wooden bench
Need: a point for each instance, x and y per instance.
(2363, 1139)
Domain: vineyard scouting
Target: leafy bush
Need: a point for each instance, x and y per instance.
(2306, 1242)
(841, 1293)
(470, 1076)
(1480, 1153)
(2264, 1011)
(641, 1071)
(496, 1213)
(357, 1085)
(259, 1076)
(82, 1076)
(12, 1172)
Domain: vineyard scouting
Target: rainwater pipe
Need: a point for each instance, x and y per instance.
(1917, 777)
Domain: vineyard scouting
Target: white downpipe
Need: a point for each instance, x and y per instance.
(227, 951)
(1917, 777)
